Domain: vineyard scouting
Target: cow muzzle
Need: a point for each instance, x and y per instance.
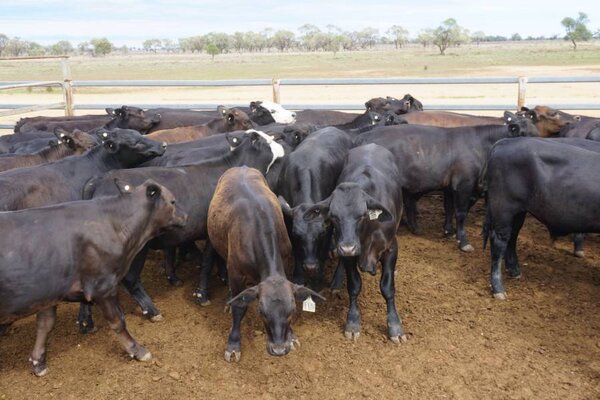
(348, 250)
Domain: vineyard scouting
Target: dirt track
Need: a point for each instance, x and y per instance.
(543, 342)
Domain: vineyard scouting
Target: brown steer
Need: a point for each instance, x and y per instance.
(246, 228)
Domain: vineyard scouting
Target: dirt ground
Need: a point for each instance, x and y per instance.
(543, 342)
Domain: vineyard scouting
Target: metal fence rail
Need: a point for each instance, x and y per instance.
(277, 84)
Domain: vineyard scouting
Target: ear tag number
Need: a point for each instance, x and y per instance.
(374, 214)
(309, 305)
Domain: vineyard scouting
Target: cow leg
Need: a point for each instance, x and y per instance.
(116, 320)
(410, 206)
(298, 274)
(170, 256)
(234, 342)
(499, 237)
(511, 261)
(85, 319)
(189, 252)
(208, 260)
(461, 206)
(448, 213)
(45, 322)
(578, 245)
(133, 284)
(354, 283)
(337, 281)
(388, 291)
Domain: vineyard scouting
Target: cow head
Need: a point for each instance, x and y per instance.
(129, 147)
(548, 121)
(519, 125)
(235, 119)
(391, 118)
(268, 112)
(409, 103)
(79, 142)
(276, 305)
(254, 149)
(295, 134)
(378, 104)
(127, 117)
(350, 209)
(164, 211)
(308, 234)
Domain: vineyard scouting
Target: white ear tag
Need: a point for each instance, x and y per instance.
(105, 134)
(374, 214)
(126, 188)
(309, 305)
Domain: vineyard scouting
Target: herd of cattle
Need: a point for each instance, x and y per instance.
(276, 195)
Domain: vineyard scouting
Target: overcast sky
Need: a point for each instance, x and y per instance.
(131, 21)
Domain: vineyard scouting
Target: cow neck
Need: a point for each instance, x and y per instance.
(492, 133)
(131, 220)
(352, 124)
(54, 153)
(104, 160)
(216, 125)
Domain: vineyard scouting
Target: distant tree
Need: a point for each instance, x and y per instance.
(284, 40)
(334, 43)
(449, 33)
(63, 47)
(596, 35)
(309, 37)
(577, 30)
(425, 37)
(399, 35)
(368, 37)
(515, 37)
(478, 36)
(16, 47)
(238, 42)
(101, 46)
(168, 45)
(213, 50)
(35, 49)
(84, 47)
(152, 45)
(3, 41)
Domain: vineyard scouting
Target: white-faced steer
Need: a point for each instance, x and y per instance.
(78, 250)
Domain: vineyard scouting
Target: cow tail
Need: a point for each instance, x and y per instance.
(487, 225)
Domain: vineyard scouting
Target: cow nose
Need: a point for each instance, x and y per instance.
(293, 115)
(347, 250)
(278, 350)
(310, 268)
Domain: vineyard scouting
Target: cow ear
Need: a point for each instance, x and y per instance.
(124, 188)
(320, 208)
(110, 111)
(301, 293)
(509, 117)
(111, 146)
(514, 129)
(376, 210)
(153, 191)
(253, 106)
(230, 118)
(222, 110)
(288, 212)
(233, 140)
(156, 118)
(245, 297)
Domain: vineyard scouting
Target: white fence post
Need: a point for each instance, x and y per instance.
(522, 92)
(67, 87)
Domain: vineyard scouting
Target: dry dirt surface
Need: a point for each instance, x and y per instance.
(543, 342)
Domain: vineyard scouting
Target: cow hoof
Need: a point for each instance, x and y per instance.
(295, 344)
(39, 366)
(157, 318)
(449, 234)
(467, 248)
(399, 339)
(145, 357)
(352, 335)
(176, 282)
(201, 298)
(500, 296)
(517, 276)
(233, 356)
(580, 254)
(86, 328)
(227, 309)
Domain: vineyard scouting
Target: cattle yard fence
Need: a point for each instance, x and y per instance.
(67, 85)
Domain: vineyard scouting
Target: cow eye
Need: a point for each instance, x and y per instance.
(273, 111)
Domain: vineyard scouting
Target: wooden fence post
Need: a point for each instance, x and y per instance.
(522, 92)
(276, 93)
(67, 88)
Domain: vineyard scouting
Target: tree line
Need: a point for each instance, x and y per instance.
(309, 38)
